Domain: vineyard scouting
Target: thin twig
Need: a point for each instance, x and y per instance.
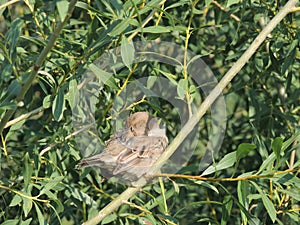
(67, 137)
(146, 21)
(24, 116)
(225, 10)
(228, 179)
(24, 195)
(296, 9)
(188, 34)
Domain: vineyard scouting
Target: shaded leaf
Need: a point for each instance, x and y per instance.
(13, 35)
(226, 209)
(267, 202)
(277, 146)
(27, 170)
(243, 150)
(243, 191)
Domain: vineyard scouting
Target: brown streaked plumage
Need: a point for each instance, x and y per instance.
(130, 152)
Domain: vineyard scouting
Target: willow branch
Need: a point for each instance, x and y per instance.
(38, 64)
(24, 116)
(111, 207)
(24, 195)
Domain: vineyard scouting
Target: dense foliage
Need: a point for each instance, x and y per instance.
(255, 176)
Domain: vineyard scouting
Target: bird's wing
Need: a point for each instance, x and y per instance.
(136, 163)
(146, 143)
(141, 153)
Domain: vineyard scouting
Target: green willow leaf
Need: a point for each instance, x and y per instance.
(40, 216)
(62, 7)
(277, 146)
(27, 169)
(27, 206)
(73, 94)
(26, 222)
(10, 222)
(127, 53)
(226, 209)
(120, 27)
(243, 150)
(266, 202)
(58, 105)
(182, 88)
(226, 162)
(15, 201)
(13, 35)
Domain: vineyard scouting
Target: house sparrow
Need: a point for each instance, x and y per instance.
(130, 152)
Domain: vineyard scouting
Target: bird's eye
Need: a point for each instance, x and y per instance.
(133, 131)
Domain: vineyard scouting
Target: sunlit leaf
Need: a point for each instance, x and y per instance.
(10, 222)
(127, 53)
(226, 162)
(58, 106)
(207, 185)
(40, 215)
(182, 88)
(16, 200)
(62, 7)
(73, 95)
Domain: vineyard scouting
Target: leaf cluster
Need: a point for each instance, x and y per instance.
(39, 182)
